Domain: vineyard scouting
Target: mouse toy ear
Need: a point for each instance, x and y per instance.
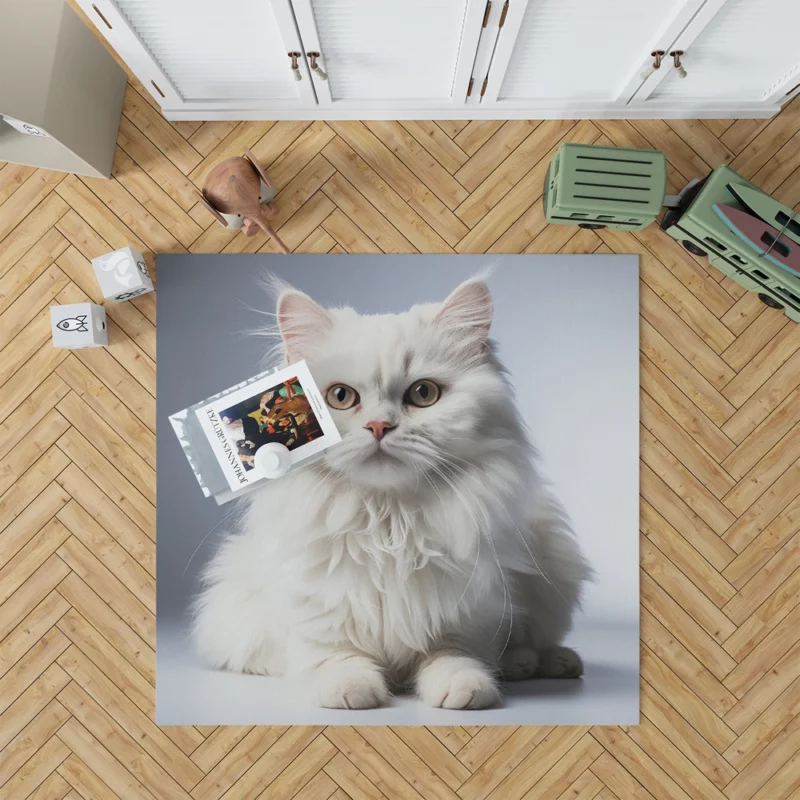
(214, 213)
(248, 154)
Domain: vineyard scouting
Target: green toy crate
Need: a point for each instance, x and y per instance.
(702, 232)
(598, 187)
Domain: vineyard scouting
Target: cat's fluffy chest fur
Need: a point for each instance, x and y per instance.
(385, 569)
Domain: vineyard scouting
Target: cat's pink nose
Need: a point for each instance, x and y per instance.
(379, 429)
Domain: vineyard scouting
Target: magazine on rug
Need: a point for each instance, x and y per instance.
(222, 435)
(285, 407)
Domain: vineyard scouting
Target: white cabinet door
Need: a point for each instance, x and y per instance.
(208, 54)
(734, 51)
(382, 54)
(569, 54)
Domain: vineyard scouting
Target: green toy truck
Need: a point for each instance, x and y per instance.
(598, 187)
(701, 231)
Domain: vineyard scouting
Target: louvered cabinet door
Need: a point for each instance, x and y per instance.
(209, 54)
(389, 54)
(733, 51)
(573, 54)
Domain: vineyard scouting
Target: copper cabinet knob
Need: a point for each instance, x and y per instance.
(657, 56)
(313, 56)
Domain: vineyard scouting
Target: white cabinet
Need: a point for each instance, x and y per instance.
(208, 56)
(734, 51)
(384, 55)
(496, 59)
(568, 53)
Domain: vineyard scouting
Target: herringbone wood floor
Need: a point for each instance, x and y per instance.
(720, 406)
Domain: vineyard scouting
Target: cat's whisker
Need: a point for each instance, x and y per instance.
(506, 599)
(469, 510)
(506, 590)
(261, 311)
(524, 541)
(440, 574)
(235, 512)
(446, 461)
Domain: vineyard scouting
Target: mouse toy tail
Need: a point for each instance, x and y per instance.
(267, 228)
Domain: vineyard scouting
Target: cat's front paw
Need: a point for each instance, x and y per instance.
(350, 685)
(559, 662)
(457, 682)
(519, 663)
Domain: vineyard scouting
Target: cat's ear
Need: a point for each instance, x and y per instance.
(468, 312)
(301, 320)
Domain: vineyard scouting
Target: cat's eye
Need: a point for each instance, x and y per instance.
(341, 396)
(423, 393)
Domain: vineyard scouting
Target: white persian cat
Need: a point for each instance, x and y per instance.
(423, 551)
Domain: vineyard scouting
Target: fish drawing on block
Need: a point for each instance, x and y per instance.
(78, 324)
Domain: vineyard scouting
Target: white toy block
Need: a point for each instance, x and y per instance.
(122, 274)
(78, 325)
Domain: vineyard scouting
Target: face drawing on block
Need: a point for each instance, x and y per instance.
(121, 265)
(413, 394)
(77, 324)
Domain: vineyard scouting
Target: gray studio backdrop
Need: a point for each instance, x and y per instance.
(567, 328)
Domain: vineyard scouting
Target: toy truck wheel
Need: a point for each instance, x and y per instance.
(693, 248)
(592, 226)
(769, 301)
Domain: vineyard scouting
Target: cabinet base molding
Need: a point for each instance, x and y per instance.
(651, 111)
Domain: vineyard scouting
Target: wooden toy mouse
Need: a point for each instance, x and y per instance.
(237, 192)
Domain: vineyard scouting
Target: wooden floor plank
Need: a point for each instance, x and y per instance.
(678, 151)
(393, 189)
(769, 724)
(512, 170)
(437, 143)
(101, 763)
(153, 198)
(30, 230)
(25, 199)
(452, 127)
(12, 176)
(139, 111)
(37, 769)
(38, 440)
(426, 168)
(157, 165)
(209, 135)
(475, 134)
(96, 723)
(493, 152)
(19, 278)
(714, 514)
(244, 135)
(685, 738)
(681, 409)
(92, 607)
(682, 555)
